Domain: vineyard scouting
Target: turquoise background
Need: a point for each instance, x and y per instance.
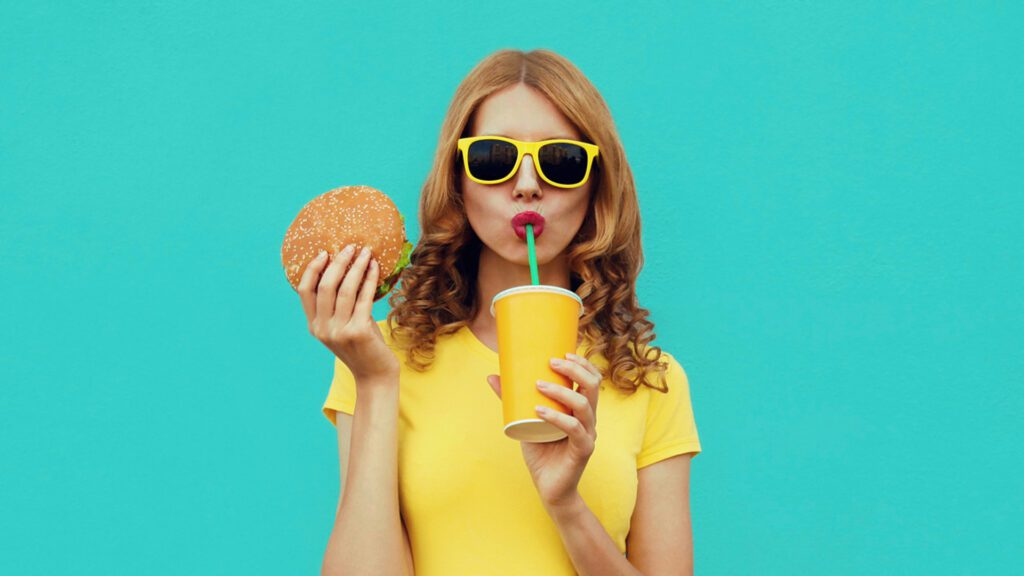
(832, 198)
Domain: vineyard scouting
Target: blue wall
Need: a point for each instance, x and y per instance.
(831, 198)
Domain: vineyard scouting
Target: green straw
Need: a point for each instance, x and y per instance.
(533, 255)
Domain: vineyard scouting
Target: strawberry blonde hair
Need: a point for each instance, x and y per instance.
(437, 292)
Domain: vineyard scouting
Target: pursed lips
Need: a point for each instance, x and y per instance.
(520, 221)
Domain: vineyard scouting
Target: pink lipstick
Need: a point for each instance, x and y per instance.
(520, 221)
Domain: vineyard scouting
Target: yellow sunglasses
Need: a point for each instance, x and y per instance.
(495, 159)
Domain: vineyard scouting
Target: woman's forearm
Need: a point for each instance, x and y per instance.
(592, 550)
(367, 536)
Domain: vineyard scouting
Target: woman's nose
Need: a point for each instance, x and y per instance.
(527, 179)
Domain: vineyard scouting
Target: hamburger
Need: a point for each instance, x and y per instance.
(358, 215)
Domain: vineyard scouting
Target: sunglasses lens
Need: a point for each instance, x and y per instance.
(563, 163)
(491, 159)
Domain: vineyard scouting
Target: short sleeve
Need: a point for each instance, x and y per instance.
(670, 427)
(342, 395)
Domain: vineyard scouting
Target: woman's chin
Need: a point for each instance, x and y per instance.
(521, 255)
(517, 253)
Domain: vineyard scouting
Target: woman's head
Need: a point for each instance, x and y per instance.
(523, 113)
(528, 95)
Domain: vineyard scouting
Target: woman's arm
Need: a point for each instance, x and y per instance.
(660, 539)
(660, 536)
(368, 535)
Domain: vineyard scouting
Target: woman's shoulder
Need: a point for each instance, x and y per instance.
(397, 339)
(387, 331)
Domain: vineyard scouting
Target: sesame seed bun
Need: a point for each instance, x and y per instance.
(358, 215)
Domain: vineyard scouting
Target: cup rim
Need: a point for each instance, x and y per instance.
(536, 288)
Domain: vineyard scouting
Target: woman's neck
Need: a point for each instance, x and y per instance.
(496, 274)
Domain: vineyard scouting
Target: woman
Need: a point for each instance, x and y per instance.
(430, 484)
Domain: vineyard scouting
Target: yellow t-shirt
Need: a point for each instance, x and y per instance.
(466, 495)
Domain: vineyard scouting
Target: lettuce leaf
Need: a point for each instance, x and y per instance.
(391, 279)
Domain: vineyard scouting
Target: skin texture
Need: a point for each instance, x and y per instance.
(523, 113)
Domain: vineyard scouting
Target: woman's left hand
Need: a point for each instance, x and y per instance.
(556, 467)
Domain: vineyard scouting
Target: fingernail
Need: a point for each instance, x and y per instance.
(572, 356)
(348, 249)
(542, 385)
(321, 255)
(557, 362)
(541, 410)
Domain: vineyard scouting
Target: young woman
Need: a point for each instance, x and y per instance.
(429, 482)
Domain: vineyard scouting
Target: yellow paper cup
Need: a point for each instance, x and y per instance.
(535, 324)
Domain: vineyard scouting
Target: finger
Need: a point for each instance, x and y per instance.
(575, 371)
(587, 386)
(495, 381)
(349, 285)
(364, 303)
(308, 282)
(587, 364)
(327, 290)
(579, 438)
(576, 402)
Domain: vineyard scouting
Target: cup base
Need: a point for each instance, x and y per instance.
(533, 430)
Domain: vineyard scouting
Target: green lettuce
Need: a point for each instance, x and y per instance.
(392, 279)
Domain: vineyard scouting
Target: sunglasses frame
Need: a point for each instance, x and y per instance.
(523, 148)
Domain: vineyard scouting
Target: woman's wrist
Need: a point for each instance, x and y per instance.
(567, 509)
(382, 388)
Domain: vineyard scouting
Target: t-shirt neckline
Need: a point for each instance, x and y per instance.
(478, 346)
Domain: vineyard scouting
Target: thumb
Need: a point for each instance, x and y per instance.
(495, 381)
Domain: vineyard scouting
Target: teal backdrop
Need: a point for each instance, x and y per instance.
(832, 202)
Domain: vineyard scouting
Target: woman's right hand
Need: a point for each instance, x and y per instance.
(338, 306)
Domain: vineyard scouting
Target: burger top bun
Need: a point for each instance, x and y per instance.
(358, 215)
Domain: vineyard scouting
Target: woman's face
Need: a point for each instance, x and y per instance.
(523, 113)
